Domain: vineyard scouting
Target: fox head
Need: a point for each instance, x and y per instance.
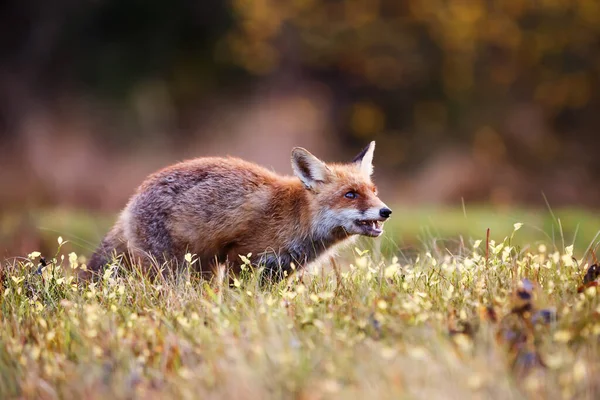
(342, 196)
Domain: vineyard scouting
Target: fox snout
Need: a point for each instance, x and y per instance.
(370, 222)
(385, 212)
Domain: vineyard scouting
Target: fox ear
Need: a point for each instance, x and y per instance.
(308, 168)
(365, 159)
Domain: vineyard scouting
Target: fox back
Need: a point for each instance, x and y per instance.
(220, 208)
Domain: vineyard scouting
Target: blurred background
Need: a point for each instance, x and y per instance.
(485, 113)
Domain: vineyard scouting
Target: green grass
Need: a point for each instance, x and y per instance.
(560, 227)
(408, 231)
(441, 324)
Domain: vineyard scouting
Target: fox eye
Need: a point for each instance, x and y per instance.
(351, 195)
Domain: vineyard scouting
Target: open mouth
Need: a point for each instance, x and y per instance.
(370, 227)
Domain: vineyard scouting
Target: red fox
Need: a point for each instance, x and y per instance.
(220, 208)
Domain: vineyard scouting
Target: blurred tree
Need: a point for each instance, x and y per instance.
(105, 48)
(438, 70)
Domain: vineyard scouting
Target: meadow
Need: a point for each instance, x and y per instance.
(444, 315)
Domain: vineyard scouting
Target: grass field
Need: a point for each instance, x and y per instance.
(502, 321)
(409, 230)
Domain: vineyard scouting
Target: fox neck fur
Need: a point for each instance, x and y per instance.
(309, 238)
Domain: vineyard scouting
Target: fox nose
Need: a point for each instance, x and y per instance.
(385, 212)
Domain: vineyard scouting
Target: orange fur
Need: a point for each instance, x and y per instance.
(219, 208)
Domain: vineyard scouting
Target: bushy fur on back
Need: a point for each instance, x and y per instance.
(219, 208)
